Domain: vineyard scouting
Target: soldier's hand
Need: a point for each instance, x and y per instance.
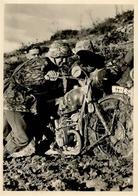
(102, 75)
(98, 76)
(51, 75)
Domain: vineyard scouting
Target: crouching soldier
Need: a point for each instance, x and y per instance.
(33, 89)
(20, 105)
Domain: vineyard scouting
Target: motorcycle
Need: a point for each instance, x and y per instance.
(86, 123)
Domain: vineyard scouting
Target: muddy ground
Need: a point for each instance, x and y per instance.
(87, 172)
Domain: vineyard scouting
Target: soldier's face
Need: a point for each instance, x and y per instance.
(60, 61)
(33, 53)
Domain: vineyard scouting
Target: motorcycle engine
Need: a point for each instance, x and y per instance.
(69, 112)
(63, 125)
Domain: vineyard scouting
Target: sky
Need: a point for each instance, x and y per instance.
(28, 23)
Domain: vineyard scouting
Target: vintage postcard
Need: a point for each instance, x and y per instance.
(69, 99)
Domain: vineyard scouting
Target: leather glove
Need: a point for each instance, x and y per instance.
(51, 75)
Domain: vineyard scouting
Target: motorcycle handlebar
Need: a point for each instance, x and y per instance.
(65, 77)
(75, 74)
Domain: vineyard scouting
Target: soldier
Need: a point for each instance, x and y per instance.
(94, 64)
(33, 89)
(57, 63)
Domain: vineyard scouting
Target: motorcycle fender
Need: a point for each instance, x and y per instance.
(118, 96)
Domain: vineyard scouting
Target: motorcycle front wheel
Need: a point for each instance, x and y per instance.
(117, 113)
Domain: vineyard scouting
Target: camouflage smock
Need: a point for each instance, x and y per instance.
(28, 87)
(18, 96)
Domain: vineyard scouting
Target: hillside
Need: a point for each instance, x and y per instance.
(112, 38)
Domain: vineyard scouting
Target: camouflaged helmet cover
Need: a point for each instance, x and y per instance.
(59, 49)
(84, 45)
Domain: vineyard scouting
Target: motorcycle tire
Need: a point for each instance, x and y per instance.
(116, 111)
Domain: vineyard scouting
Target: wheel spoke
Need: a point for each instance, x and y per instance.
(115, 115)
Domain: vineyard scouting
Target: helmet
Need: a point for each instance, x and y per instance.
(84, 45)
(59, 49)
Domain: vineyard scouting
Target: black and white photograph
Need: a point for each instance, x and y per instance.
(68, 90)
